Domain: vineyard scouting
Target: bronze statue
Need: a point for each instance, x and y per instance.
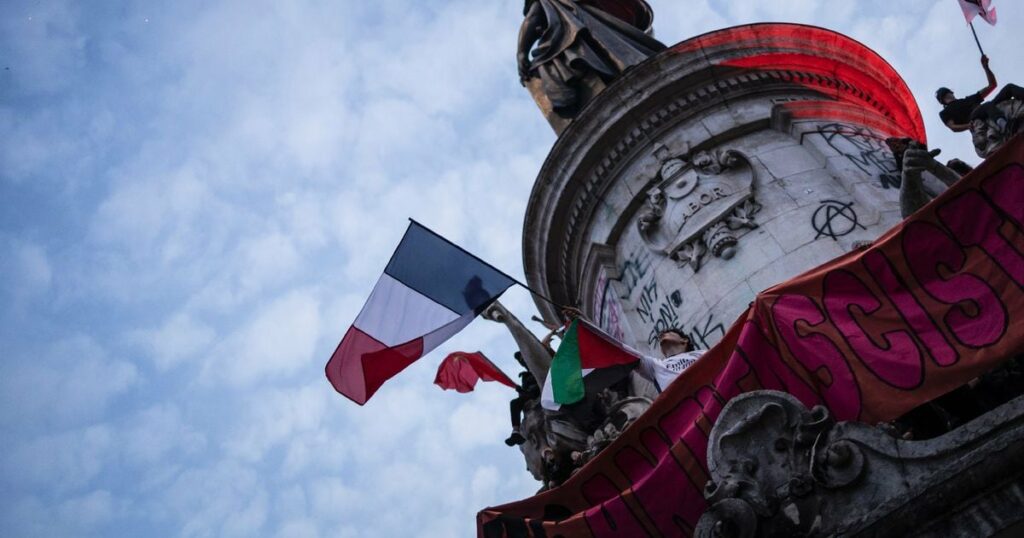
(581, 45)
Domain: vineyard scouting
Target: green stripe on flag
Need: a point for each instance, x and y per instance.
(566, 374)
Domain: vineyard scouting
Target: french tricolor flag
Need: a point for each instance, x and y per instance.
(430, 290)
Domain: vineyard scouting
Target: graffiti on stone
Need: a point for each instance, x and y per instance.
(835, 219)
(609, 313)
(707, 333)
(633, 270)
(664, 314)
(866, 150)
(646, 303)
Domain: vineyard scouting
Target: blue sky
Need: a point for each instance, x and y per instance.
(195, 200)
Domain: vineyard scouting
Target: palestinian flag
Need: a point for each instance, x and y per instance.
(587, 361)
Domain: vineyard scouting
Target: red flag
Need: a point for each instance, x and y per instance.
(460, 371)
(973, 8)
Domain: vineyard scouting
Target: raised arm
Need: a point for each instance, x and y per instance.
(529, 33)
(991, 78)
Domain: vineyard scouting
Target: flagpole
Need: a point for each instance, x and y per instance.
(971, 24)
(477, 258)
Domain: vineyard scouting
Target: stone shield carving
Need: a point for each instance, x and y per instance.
(698, 203)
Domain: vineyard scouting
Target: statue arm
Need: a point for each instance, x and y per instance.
(914, 194)
(529, 33)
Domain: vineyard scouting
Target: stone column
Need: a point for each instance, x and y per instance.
(714, 170)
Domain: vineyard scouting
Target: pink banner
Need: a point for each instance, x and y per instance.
(932, 304)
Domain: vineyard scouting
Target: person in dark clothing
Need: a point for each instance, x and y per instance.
(956, 113)
(528, 390)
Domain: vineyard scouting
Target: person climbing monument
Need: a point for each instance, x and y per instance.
(679, 354)
(526, 390)
(956, 113)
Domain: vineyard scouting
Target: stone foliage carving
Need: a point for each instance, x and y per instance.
(622, 412)
(779, 469)
(559, 443)
(698, 204)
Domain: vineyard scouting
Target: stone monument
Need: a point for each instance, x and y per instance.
(687, 180)
(718, 168)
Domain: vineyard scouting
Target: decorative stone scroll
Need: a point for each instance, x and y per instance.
(699, 202)
(779, 469)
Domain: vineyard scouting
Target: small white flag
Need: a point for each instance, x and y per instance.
(973, 8)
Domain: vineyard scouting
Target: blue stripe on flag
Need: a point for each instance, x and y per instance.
(448, 275)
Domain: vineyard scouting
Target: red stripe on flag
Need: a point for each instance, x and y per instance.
(598, 352)
(361, 364)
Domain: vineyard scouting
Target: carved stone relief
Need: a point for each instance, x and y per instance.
(699, 202)
(779, 469)
(988, 135)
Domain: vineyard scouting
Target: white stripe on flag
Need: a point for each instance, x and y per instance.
(436, 338)
(547, 394)
(395, 314)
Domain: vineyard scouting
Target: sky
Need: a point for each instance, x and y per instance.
(196, 198)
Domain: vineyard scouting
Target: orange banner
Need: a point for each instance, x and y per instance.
(932, 304)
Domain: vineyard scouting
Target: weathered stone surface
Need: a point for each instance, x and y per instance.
(991, 133)
(779, 469)
(815, 191)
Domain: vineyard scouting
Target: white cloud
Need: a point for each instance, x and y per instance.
(156, 434)
(25, 268)
(88, 511)
(277, 417)
(216, 190)
(179, 338)
(72, 517)
(278, 340)
(59, 463)
(302, 528)
(69, 382)
(223, 499)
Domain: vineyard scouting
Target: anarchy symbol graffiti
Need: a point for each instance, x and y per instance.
(835, 219)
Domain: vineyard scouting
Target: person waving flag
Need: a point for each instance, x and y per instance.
(430, 290)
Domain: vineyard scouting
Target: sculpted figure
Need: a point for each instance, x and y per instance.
(999, 120)
(653, 210)
(581, 44)
(536, 356)
(924, 178)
